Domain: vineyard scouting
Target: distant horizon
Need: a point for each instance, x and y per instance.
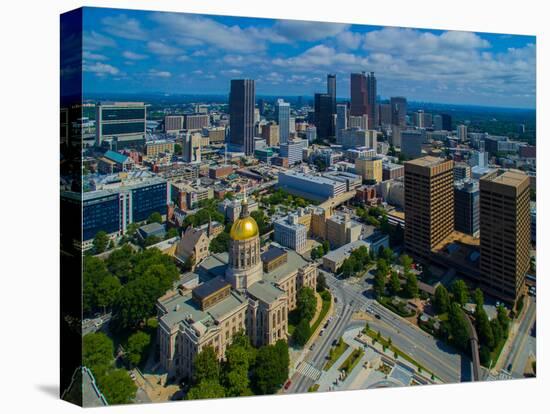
(339, 98)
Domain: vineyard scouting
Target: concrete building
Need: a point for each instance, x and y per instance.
(341, 119)
(191, 147)
(462, 133)
(173, 123)
(355, 137)
(290, 233)
(311, 133)
(293, 150)
(242, 100)
(310, 186)
(411, 142)
(243, 291)
(334, 259)
(153, 148)
(196, 122)
(505, 232)
(122, 124)
(399, 111)
(340, 230)
(466, 207)
(391, 171)
(216, 135)
(358, 122)
(231, 209)
(462, 171)
(429, 204)
(369, 168)
(282, 115)
(112, 162)
(270, 132)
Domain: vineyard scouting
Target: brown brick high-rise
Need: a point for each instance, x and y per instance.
(429, 203)
(504, 232)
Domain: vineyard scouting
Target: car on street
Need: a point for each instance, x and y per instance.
(288, 384)
(377, 316)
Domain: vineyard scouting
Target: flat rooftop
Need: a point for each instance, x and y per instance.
(427, 161)
(511, 178)
(210, 287)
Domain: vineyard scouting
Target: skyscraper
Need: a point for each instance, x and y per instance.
(341, 119)
(242, 99)
(324, 119)
(358, 94)
(467, 207)
(462, 132)
(429, 204)
(331, 90)
(399, 110)
(371, 100)
(504, 232)
(123, 124)
(282, 114)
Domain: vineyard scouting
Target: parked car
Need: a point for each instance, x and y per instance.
(288, 384)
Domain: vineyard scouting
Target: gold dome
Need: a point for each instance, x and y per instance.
(244, 228)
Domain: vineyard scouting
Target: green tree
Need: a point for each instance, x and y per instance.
(119, 262)
(271, 368)
(100, 242)
(138, 345)
(172, 232)
(155, 217)
(206, 389)
(441, 299)
(478, 297)
(97, 352)
(503, 319)
(460, 292)
(395, 283)
(220, 243)
(118, 387)
(263, 224)
(107, 292)
(206, 366)
(379, 282)
(94, 272)
(306, 303)
(150, 240)
(321, 283)
(411, 285)
(235, 371)
(483, 328)
(178, 149)
(301, 333)
(458, 326)
(406, 262)
(326, 247)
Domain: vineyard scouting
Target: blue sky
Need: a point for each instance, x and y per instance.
(127, 51)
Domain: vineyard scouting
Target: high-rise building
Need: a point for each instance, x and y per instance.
(290, 233)
(282, 115)
(354, 137)
(195, 122)
(324, 119)
(369, 168)
(270, 132)
(341, 119)
(462, 132)
(191, 147)
(446, 122)
(331, 90)
(411, 142)
(504, 232)
(358, 94)
(293, 150)
(372, 108)
(311, 133)
(462, 171)
(173, 123)
(121, 123)
(399, 111)
(361, 122)
(384, 114)
(429, 204)
(242, 99)
(466, 208)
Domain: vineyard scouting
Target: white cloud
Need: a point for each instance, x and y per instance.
(296, 30)
(160, 48)
(160, 73)
(324, 57)
(100, 69)
(124, 26)
(231, 72)
(96, 41)
(348, 40)
(195, 28)
(182, 58)
(133, 56)
(93, 56)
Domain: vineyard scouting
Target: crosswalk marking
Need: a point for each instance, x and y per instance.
(308, 370)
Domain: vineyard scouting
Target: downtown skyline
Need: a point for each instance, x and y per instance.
(129, 51)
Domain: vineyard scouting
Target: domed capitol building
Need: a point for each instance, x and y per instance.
(242, 290)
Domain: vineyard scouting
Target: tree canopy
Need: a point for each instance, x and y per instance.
(306, 303)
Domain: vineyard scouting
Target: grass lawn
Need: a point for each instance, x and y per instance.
(352, 360)
(495, 354)
(400, 309)
(313, 388)
(335, 353)
(326, 297)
